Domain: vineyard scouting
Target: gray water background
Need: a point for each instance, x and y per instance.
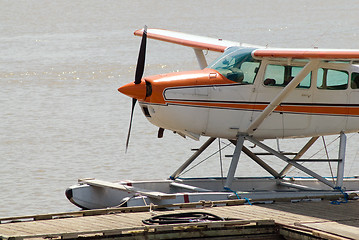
(61, 62)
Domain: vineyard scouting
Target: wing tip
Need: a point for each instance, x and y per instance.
(138, 32)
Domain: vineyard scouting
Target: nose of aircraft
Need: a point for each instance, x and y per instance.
(137, 91)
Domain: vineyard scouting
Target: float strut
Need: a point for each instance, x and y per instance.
(192, 158)
(284, 158)
(298, 156)
(340, 169)
(234, 162)
(258, 160)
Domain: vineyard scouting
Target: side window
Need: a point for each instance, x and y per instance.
(331, 79)
(250, 70)
(355, 80)
(274, 75)
(305, 83)
(277, 75)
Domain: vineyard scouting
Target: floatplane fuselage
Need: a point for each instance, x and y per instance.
(227, 97)
(249, 93)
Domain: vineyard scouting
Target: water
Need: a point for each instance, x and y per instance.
(61, 63)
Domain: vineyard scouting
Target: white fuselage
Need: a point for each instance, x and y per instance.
(225, 110)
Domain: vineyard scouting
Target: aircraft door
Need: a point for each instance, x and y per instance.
(291, 117)
(330, 100)
(231, 106)
(353, 120)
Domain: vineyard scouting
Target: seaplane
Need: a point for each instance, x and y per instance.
(249, 93)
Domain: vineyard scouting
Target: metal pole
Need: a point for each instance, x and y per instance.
(299, 155)
(260, 162)
(341, 155)
(288, 160)
(264, 165)
(192, 158)
(234, 162)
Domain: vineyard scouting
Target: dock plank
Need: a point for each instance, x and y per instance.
(334, 228)
(323, 209)
(116, 220)
(126, 221)
(81, 224)
(313, 216)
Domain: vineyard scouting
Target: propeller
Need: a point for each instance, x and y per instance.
(138, 76)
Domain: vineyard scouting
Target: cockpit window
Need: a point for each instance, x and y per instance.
(237, 65)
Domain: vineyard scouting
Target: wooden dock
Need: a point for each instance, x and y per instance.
(280, 220)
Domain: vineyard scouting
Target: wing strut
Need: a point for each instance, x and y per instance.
(340, 169)
(200, 58)
(282, 95)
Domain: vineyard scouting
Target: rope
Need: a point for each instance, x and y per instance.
(346, 197)
(124, 202)
(220, 158)
(247, 199)
(327, 154)
(188, 217)
(184, 172)
(228, 189)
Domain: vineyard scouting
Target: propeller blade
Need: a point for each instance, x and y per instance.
(141, 57)
(138, 76)
(134, 100)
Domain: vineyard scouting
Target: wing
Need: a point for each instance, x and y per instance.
(324, 54)
(189, 40)
(220, 45)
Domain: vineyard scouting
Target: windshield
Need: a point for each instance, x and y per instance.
(237, 64)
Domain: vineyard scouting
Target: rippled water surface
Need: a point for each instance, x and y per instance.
(61, 63)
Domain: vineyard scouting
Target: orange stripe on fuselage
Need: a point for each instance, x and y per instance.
(316, 109)
(209, 77)
(234, 106)
(295, 109)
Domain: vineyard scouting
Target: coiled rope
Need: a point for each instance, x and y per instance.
(188, 217)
